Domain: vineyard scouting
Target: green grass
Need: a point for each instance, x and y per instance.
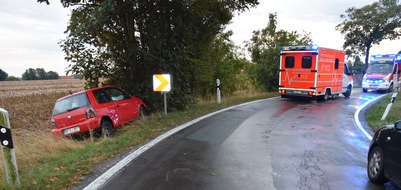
(374, 113)
(67, 167)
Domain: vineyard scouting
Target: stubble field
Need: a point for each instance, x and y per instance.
(30, 105)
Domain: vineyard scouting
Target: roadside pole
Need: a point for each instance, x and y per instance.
(9, 158)
(165, 103)
(395, 92)
(218, 91)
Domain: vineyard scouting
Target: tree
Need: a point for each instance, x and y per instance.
(3, 75)
(221, 61)
(127, 41)
(369, 25)
(52, 75)
(12, 78)
(264, 48)
(29, 74)
(357, 66)
(41, 74)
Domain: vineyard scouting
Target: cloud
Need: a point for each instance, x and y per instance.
(30, 33)
(315, 16)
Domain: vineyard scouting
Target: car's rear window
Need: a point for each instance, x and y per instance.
(71, 103)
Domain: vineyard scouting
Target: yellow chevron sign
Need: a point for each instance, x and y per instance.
(161, 83)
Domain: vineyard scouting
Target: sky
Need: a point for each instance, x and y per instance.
(30, 32)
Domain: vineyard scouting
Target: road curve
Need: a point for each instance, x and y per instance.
(269, 144)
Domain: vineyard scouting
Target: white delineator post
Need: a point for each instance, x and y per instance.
(218, 91)
(9, 158)
(395, 93)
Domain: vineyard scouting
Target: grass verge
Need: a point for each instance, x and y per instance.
(47, 163)
(374, 113)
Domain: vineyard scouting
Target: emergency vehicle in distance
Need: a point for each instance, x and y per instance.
(312, 71)
(380, 73)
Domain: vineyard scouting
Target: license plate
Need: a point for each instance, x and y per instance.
(71, 130)
(373, 86)
(297, 92)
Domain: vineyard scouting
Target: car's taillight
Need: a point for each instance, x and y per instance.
(53, 121)
(90, 112)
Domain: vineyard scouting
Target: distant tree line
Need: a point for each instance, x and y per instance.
(4, 77)
(39, 74)
(30, 74)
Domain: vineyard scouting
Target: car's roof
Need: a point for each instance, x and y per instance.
(87, 90)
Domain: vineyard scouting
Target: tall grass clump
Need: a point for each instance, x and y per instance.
(374, 113)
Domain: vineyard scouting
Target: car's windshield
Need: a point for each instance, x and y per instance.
(380, 69)
(70, 103)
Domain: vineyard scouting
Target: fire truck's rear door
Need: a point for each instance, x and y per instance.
(298, 70)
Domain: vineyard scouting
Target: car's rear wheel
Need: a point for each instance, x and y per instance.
(364, 90)
(106, 129)
(376, 166)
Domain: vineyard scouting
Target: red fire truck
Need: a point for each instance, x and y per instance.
(380, 74)
(313, 71)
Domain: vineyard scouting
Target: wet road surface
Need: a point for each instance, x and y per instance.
(271, 144)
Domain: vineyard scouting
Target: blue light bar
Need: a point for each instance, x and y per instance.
(398, 58)
(314, 47)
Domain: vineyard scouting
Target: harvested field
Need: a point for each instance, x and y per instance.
(24, 88)
(30, 103)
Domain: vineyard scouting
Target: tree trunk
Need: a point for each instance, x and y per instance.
(366, 66)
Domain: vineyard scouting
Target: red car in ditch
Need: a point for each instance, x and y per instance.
(97, 110)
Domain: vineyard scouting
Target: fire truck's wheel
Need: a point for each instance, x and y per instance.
(325, 97)
(348, 92)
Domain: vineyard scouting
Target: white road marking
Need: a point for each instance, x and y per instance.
(356, 118)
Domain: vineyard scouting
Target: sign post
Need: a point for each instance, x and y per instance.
(395, 77)
(9, 158)
(162, 83)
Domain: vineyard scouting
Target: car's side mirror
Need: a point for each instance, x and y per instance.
(397, 125)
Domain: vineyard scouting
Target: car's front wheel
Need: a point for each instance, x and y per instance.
(376, 166)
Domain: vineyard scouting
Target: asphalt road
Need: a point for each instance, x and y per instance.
(270, 144)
